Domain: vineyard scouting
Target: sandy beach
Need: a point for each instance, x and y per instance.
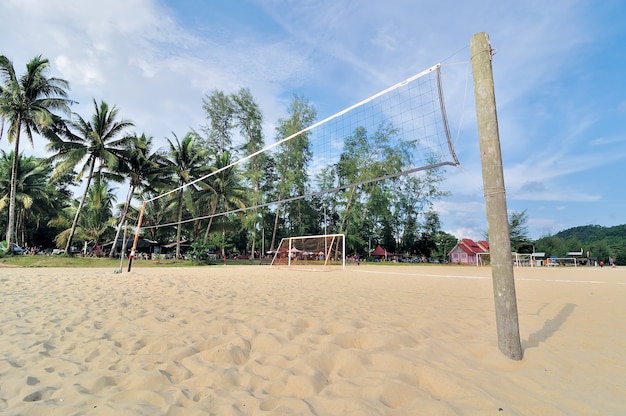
(369, 340)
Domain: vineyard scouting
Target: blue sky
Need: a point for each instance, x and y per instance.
(558, 71)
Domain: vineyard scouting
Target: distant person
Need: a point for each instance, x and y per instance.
(601, 264)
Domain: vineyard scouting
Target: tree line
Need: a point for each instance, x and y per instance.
(209, 202)
(595, 241)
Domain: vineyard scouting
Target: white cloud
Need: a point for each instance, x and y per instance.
(83, 73)
(149, 61)
(462, 232)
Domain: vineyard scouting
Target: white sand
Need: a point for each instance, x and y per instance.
(252, 340)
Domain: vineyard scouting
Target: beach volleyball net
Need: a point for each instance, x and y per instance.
(398, 131)
(315, 253)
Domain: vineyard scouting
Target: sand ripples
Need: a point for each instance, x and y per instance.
(248, 342)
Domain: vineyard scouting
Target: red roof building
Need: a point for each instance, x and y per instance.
(467, 251)
(380, 252)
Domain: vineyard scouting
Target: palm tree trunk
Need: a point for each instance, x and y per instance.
(208, 227)
(122, 218)
(253, 245)
(223, 238)
(275, 223)
(13, 192)
(19, 228)
(255, 217)
(347, 210)
(280, 196)
(180, 218)
(80, 207)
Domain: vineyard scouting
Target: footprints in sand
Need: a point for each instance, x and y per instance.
(38, 395)
(136, 346)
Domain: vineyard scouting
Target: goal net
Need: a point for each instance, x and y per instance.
(315, 253)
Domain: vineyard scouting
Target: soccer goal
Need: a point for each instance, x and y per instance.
(314, 253)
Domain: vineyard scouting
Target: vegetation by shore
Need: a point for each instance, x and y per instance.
(67, 261)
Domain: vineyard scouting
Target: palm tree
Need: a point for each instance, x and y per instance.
(144, 170)
(27, 104)
(95, 143)
(225, 192)
(34, 197)
(97, 216)
(185, 162)
(157, 211)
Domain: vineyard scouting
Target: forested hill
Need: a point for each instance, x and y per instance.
(589, 234)
(600, 242)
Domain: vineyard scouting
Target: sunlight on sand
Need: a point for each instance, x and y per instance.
(386, 340)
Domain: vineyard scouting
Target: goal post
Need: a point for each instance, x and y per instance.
(315, 253)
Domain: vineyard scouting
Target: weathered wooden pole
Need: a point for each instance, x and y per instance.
(495, 199)
(134, 248)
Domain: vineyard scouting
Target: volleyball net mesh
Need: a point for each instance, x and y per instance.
(400, 130)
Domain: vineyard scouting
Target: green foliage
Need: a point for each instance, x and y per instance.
(185, 162)
(518, 230)
(94, 145)
(395, 213)
(600, 242)
(292, 162)
(27, 104)
(37, 200)
(200, 252)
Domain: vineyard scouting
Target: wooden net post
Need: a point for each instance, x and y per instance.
(495, 199)
(134, 248)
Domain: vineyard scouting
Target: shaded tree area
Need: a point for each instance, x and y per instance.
(39, 200)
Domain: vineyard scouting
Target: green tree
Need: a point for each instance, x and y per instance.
(158, 211)
(27, 103)
(292, 161)
(250, 122)
(96, 144)
(445, 242)
(34, 199)
(225, 193)
(144, 169)
(551, 245)
(365, 158)
(412, 206)
(97, 218)
(220, 110)
(601, 251)
(184, 162)
(427, 243)
(518, 231)
(225, 114)
(47, 225)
